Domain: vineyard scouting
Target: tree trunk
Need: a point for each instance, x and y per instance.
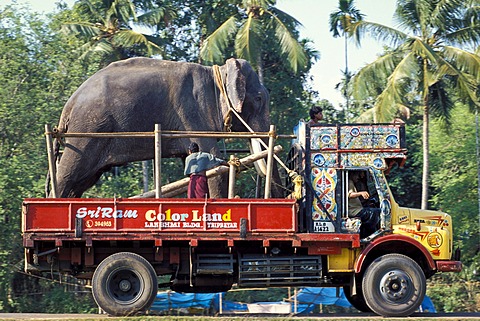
(347, 79)
(426, 146)
(426, 161)
(260, 69)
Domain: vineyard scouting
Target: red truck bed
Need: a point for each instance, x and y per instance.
(150, 215)
(61, 220)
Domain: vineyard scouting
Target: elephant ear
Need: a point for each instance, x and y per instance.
(235, 84)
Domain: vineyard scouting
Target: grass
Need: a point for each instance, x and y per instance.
(335, 317)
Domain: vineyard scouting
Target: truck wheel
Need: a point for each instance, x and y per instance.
(394, 285)
(124, 284)
(357, 301)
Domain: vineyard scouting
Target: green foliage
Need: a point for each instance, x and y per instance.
(454, 178)
(342, 19)
(406, 182)
(456, 292)
(60, 299)
(37, 77)
(247, 28)
(430, 55)
(39, 71)
(106, 32)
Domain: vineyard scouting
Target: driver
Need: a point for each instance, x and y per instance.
(370, 216)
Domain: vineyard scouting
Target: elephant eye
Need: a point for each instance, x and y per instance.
(258, 98)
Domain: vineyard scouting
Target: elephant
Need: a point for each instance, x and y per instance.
(135, 94)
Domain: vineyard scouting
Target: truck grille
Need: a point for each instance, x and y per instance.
(214, 264)
(279, 271)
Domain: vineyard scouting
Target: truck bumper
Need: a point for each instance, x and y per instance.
(449, 266)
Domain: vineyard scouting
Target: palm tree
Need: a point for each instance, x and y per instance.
(429, 56)
(109, 34)
(253, 20)
(340, 23)
(108, 31)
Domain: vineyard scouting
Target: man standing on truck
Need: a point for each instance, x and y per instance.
(316, 115)
(370, 216)
(196, 165)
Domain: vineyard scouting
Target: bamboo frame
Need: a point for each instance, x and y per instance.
(158, 161)
(172, 134)
(157, 135)
(268, 177)
(51, 161)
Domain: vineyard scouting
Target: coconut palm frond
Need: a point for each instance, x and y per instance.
(377, 31)
(102, 48)
(467, 36)
(289, 46)
(156, 16)
(283, 16)
(341, 20)
(465, 61)
(379, 70)
(123, 10)
(385, 106)
(424, 50)
(87, 7)
(130, 38)
(248, 41)
(213, 47)
(467, 90)
(83, 29)
(392, 96)
(366, 117)
(440, 102)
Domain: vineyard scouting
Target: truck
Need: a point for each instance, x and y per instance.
(126, 245)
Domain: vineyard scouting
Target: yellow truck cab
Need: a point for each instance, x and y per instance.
(407, 246)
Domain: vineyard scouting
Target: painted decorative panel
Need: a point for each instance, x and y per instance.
(324, 181)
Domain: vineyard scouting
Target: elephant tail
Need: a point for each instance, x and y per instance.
(62, 128)
(57, 143)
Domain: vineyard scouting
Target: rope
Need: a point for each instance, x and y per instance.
(235, 161)
(227, 120)
(297, 181)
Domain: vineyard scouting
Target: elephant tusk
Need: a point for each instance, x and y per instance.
(261, 164)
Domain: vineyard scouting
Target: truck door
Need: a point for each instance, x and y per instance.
(323, 197)
(373, 182)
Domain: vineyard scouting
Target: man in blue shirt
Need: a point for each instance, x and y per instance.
(196, 165)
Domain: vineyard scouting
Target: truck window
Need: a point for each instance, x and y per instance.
(361, 200)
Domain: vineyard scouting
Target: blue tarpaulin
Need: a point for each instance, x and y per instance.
(175, 300)
(328, 296)
(307, 299)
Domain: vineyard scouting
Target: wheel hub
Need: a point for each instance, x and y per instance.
(125, 285)
(395, 285)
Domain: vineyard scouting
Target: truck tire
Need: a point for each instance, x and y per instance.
(124, 284)
(358, 300)
(394, 285)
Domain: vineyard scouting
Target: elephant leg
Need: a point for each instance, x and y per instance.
(78, 170)
(218, 186)
(277, 189)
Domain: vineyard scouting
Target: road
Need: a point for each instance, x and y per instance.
(336, 317)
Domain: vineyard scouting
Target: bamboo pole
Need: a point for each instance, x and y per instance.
(174, 134)
(180, 186)
(51, 161)
(231, 179)
(158, 161)
(268, 178)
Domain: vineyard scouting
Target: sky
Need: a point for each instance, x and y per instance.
(313, 15)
